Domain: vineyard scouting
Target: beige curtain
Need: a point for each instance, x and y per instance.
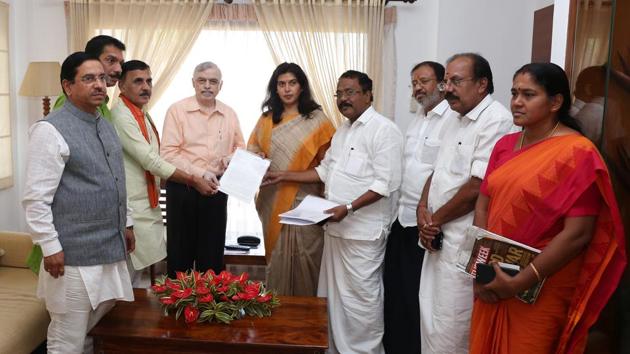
(591, 34)
(326, 38)
(389, 64)
(159, 33)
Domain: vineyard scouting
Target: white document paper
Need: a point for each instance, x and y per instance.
(243, 175)
(309, 212)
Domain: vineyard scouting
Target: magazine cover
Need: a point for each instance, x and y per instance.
(483, 246)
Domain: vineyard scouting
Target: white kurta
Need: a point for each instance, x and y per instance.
(445, 293)
(140, 156)
(366, 155)
(422, 144)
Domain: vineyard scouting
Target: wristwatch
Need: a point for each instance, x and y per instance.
(350, 209)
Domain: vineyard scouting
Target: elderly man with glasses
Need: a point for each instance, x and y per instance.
(448, 199)
(200, 135)
(403, 257)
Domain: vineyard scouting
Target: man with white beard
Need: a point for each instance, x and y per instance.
(403, 257)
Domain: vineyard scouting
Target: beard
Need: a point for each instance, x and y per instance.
(430, 100)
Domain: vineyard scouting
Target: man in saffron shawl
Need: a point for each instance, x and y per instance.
(144, 168)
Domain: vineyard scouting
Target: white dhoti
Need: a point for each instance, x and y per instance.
(77, 300)
(351, 277)
(446, 297)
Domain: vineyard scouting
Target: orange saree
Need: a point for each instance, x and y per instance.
(531, 191)
(293, 253)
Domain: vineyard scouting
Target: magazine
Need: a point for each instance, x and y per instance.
(482, 246)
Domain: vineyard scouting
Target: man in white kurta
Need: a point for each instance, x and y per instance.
(361, 172)
(448, 200)
(144, 168)
(403, 256)
(74, 201)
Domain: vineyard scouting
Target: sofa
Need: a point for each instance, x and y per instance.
(23, 317)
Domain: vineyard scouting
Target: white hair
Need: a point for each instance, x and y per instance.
(205, 66)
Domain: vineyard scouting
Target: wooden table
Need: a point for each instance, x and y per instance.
(299, 325)
(255, 256)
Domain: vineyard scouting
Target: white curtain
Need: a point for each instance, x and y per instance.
(389, 64)
(159, 33)
(326, 38)
(235, 25)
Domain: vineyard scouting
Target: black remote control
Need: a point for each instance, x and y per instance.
(237, 248)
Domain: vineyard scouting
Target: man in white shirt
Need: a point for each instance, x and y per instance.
(403, 256)
(361, 171)
(448, 199)
(75, 205)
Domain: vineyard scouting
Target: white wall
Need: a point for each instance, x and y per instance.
(559, 35)
(37, 33)
(499, 30)
(416, 41)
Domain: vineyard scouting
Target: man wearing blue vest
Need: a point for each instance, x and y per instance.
(75, 206)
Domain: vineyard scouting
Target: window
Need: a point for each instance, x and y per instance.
(6, 149)
(246, 66)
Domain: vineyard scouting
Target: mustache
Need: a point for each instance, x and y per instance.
(450, 96)
(345, 104)
(145, 93)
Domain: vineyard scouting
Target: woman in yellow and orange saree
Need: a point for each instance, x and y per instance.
(295, 134)
(547, 187)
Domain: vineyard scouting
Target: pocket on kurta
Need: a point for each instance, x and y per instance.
(462, 161)
(357, 163)
(430, 151)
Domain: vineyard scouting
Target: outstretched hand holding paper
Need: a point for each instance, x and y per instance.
(309, 212)
(243, 175)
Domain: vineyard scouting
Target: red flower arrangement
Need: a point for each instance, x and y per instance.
(211, 297)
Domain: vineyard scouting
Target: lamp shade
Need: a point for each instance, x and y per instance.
(41, 79)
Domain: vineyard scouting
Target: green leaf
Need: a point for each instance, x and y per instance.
(179, 312)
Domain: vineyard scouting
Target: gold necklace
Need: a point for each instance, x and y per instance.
(520, 144)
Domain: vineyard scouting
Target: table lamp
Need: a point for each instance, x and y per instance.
(42, 80)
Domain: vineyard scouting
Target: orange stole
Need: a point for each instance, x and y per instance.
(528, 195)
(305, 158)
(138, 114)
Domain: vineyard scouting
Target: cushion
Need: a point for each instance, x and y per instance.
(24, 316)
(17, 246)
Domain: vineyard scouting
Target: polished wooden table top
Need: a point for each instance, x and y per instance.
(298, 325)
(255, 256)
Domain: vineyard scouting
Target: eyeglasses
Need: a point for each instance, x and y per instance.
(346, 93)
(212, 82)
(421, 82)
(90, 79)
(455, 82)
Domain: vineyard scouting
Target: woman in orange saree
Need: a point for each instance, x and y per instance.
(547, 187)
(294, 133)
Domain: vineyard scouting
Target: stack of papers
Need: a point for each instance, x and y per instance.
(309, 212)
(243, 175)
